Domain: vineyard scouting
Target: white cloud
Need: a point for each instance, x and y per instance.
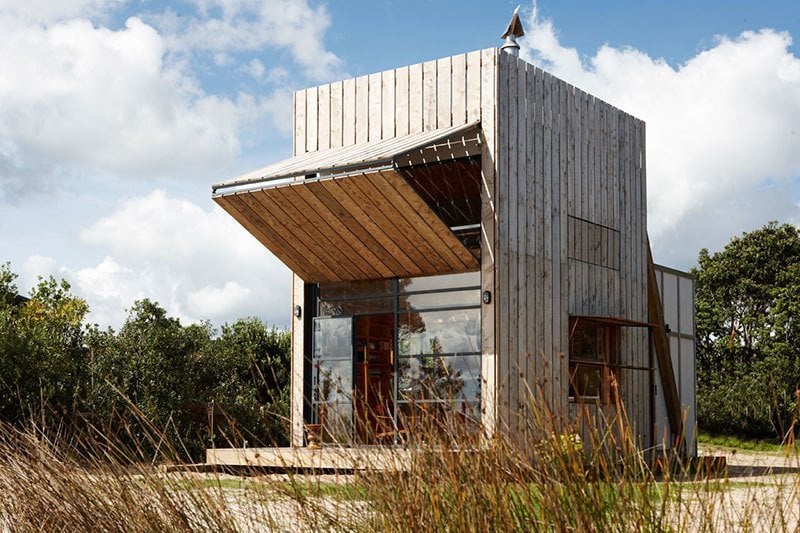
(50, 11)
(255, 68)
(198, 263)
(77, 96)
(722, 128)
(239, 25)
(216, 301)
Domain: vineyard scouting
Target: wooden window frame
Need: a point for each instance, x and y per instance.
(606, 363)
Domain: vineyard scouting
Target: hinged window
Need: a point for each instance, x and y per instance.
(593, 349)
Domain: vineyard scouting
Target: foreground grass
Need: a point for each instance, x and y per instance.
(545, 479)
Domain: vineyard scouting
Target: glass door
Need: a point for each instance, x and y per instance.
(332, 377)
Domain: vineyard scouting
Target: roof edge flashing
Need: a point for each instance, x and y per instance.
(343, 159)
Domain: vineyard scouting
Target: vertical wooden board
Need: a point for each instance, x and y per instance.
(312, 116)
(444, 76)
(337, 106)
(531, 155)
(298, 359)
(429, 86)
(559, 252)
(401, 101)
(540, 116)
(485, 63)
(585, 151)
(349, 114)
(458, 85)
(547, 250)
(613, 201)
(324, 121)
(591, 166)
(473, 86)
(416, 98)
(388, 104)
(570, 158)
(604, 116)
(362, 109)
(299, 122)
(522, 229)
(502, 258)
(375, 107)
(578, 142)
(511, 221)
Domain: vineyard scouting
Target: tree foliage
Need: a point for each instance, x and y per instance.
(154, 374)
(748, 351)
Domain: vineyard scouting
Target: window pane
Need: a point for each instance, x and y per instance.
(440, 299)
(588, 342)
(332, 380)
(449, 281)
(585, 381)
(350, 289)
(440, 332)
(333, 338)
(337, 421)
(355, 307)
(466, 410)
(440, 378)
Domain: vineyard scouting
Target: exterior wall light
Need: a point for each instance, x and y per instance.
(298, 311)
(487, 297)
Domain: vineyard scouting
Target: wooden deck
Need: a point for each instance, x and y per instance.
(325, 458)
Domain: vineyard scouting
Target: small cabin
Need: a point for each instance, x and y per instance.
(464, 234)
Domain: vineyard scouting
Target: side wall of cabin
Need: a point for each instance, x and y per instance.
(570, 240)
(436, 94)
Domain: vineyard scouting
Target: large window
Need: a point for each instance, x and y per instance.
(593, 349)
(437, 325)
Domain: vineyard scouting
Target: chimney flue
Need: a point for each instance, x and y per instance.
(513, 31)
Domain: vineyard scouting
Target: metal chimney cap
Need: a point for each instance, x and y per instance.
(515, 28)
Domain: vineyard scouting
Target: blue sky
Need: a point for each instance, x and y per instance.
(116, 116)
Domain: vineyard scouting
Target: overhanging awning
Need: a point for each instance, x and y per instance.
(364, 223)
(447, 143)
(362, 226)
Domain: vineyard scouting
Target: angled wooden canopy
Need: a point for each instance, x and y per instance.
(366, 225)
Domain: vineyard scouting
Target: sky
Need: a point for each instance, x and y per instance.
(116, 116)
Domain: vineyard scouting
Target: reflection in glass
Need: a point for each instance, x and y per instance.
(413, 411)
(439, 332)
(337, 421)
(449, 281)
(350, 289)
(332, 380)
(440, 299)
(355, 307)
(439, 378)
(333, 338)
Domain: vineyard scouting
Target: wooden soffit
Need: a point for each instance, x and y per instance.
(366, 225)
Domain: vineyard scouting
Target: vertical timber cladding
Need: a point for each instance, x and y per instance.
(570, 239)
(422, 97)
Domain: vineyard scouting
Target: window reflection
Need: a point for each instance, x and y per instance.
(450, 281)
(439, 332)
(439, 378)
(433, 300)
(355, 307)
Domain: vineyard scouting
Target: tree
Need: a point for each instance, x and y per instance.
(747, 301)
(42, 354)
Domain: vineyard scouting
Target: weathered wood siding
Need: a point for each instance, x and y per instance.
(563, 214)
(422, 97)
(571, 238)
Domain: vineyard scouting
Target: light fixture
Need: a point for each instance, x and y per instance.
(487, 297)
(298, 311)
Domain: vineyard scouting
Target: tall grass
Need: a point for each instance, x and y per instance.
(447, 476)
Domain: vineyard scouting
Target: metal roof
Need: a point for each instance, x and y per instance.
(356, 157)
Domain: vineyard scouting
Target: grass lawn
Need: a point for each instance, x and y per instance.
(728, 441)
